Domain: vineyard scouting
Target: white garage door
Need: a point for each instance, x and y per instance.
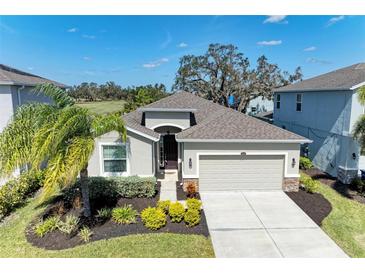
(236, 172)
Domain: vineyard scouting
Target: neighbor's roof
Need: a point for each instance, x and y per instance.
(348, 78)
(12, 76)
(213, 122)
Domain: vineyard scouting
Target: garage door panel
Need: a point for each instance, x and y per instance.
(236, 172)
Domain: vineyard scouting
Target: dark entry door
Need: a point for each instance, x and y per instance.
(170, 149)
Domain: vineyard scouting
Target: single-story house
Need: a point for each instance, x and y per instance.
(325, 109)
(212, 145)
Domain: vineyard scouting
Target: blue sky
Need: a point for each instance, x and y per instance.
(137, 50)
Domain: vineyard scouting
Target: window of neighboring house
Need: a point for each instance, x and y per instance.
(114, 158)
(253, 109)
(299, 102)
(278, 101)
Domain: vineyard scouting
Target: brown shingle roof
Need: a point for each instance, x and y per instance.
(213, 121)
(12, 76)
(341, 79)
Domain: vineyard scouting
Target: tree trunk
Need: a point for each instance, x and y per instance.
(85, 191)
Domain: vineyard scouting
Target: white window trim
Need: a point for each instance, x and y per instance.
(278, 153)
(168, 125)
(297, 102)
(110, 174)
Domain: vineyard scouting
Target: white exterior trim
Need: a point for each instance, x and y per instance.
(109, 174)
(168, 124)
(357, 86)
(167, 109)
(142, 134)
(279, 153)
(301, 141)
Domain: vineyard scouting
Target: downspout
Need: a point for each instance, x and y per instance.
(18, 94)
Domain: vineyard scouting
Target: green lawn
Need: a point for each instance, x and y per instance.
(14, 244)
(346, 222)
(103, 107)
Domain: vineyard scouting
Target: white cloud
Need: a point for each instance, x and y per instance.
(278, 19)
(30, 68)
(167, 41)
(7, 28)
(73, 30)
(334, 20)
(86, 36)
(155, 64)
(313, 60)
(182, 45)
(270, 43)
(86, 58)
(310, 49)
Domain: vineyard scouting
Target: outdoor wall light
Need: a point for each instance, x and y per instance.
(354, 156)
(293, 162)
(190, 163)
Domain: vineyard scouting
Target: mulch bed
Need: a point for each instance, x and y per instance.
(57, 240)
(344, 189)
(181, 194)
(314, 205)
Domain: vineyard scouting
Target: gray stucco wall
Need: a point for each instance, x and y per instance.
(140, 154)
(180, 119)
(193, 150)
(327, 118)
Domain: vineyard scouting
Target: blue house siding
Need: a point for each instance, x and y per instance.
(326, 118)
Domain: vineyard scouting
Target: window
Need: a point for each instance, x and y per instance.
(299, 102)
(114, 158)
(278, 101)
(253, 109)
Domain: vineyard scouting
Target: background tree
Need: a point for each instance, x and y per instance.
(60, 136)
(144, 95)
(223, 72)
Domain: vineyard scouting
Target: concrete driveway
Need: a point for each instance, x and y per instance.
(263, 224)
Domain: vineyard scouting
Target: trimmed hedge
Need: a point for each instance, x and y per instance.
(310, 185)
(15, 191)
(305, 163)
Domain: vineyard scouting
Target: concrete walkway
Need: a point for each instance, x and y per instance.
(168, 186)
(263, 224)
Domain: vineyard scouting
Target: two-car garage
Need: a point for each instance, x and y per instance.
(241, 172)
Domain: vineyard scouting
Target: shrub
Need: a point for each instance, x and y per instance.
(194, 204)
(124, 215)
(134, 186)
(305, 163)
(153, 218)
(358, 185)
(48, 225)
(104, 213)
(85, 234)
(192, 217)
(191, 188)
(15, 191)
(310, 185)
(164, 205)
(69, 225)
(176, 212)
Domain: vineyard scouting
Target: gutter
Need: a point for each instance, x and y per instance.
(286, 141)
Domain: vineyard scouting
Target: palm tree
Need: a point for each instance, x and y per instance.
(58, 137)
(359, 128)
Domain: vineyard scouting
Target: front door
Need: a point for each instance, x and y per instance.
(170, 150)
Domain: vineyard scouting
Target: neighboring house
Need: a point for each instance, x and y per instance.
(215, 146)
(15, 90)
(325, 109)
(260, 104)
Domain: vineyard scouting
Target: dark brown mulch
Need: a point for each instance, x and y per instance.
(343, 189)
(315, 205)
(57, 240)
(181, 194)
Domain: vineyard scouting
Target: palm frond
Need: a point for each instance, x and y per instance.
(58, 95)
(359, 130)
(54, 135)
(105, 123)
(16, 139)
(63, 169)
